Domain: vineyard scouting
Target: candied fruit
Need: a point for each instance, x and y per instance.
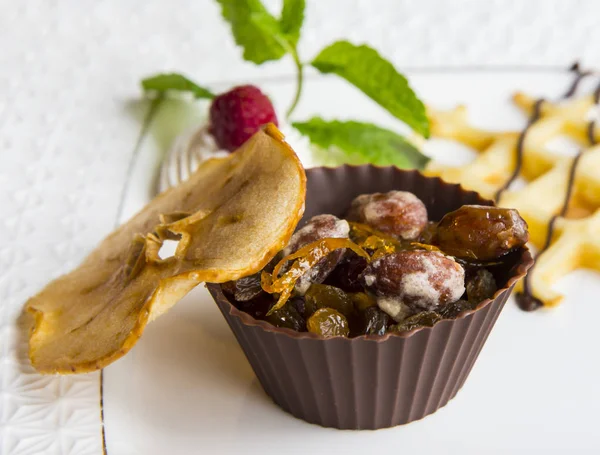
(397, 212)
(481, 233)
(410, 281)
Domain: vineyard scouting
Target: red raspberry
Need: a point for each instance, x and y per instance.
(238, 114)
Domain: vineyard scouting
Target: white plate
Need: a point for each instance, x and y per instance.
(187, 388)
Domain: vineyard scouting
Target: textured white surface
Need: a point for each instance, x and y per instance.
(68, 73)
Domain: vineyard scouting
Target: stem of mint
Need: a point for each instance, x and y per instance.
(299, 82)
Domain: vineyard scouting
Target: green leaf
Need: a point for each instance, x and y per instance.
(254, 29)
(162, 83)
(363, 142)
(292, 16)
(363, 67)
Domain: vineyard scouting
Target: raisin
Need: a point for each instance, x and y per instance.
(452, 310)
(480, 286)
(347, 273)
(423, 319)
(324, 296)
(287, 316)
(328, 322)
(371, 321)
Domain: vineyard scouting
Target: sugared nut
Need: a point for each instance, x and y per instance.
(318, 227)
(398, 213)
(477, 232)
(407, 282)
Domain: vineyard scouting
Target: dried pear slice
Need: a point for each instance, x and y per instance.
(232, 216)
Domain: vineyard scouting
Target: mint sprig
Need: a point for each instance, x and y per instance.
(363, 142)
(264, 37)
(162, 83)
(364, 68)
(254, 29)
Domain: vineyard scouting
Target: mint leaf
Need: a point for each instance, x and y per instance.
(292, 16)
(162, 83)
(363, 142)
(254, 29)
(363, 67)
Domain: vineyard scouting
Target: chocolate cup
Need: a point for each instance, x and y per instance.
(371, 382)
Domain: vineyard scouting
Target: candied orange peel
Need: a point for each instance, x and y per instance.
(231, 217)
(305, 258)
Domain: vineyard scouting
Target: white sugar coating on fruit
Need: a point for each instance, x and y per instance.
(435, 283)
(418, 284)
(394, 307)
(407, 208)
(318, 227)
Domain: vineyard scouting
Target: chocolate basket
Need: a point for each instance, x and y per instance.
(371, 382)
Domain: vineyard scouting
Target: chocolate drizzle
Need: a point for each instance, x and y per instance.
(534, 117)
(526, 300)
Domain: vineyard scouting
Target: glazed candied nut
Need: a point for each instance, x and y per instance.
(318, 227)
(399, 213)
(477, 232)
(407, 282)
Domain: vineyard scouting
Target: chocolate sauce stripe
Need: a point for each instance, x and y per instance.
(526, 300)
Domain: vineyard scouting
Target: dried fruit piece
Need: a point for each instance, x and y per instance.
(372, 321)
(362, 300)
(242, 210)
(398, 213)
(423, 319)
(410, 281)
(307, 256)
(244, 289)
(480, 286)
(452, 310)
(318, 227)
(477, 232)
(288, 317)
(324, 296)
(328, 323)
(346, 274)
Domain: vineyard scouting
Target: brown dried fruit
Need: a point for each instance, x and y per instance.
(481, 285)
(477, 232)
(232, 216)
(399, 213)
(410, 281)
